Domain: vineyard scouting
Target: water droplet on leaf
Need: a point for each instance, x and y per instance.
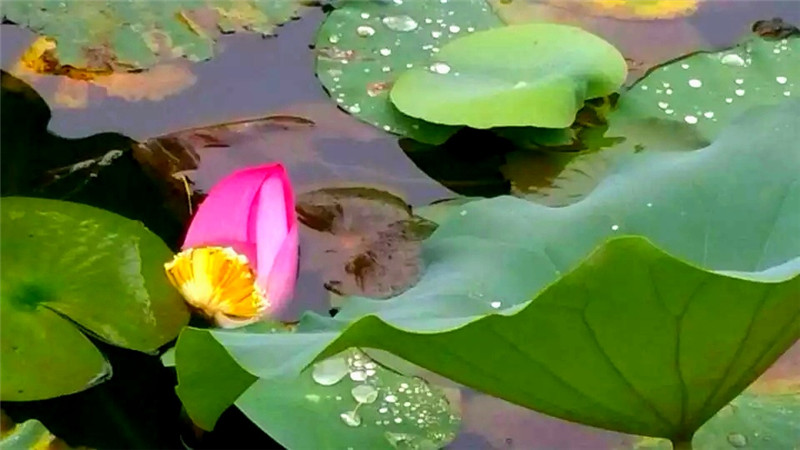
(365, 31)
(400, 23)
(329, 371)
(737, 440)
(440, 68)
(364, 393)
(351, 418)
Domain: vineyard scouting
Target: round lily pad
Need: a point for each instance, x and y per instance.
(364, 45)
(69, 268)
(528, 75)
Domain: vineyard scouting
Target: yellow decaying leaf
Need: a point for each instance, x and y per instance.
(155, 84)
(641, 9)
(219, 283)
(72, 89)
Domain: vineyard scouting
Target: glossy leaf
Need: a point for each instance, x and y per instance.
(112, 35)
(700, 94)
(363, 46)
(353, 400)
(528, 75)
(66, 264)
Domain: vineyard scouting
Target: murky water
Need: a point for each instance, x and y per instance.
(253, 77)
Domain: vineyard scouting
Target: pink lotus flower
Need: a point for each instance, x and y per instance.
(239, 258)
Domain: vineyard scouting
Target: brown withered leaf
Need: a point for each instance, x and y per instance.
(364, 241)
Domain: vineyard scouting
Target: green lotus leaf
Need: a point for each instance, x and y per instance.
(126, 35)
(69, 268)
(363, 46)
(353, 400)
(528, 75)
(691, 294)
(699, 95)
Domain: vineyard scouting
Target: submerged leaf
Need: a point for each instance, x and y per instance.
(363, 46)
(364, 240)
(65, 264)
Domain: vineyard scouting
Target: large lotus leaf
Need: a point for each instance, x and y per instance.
(700, 94)
(632, 339)
(353, 400)
(528, 75)
(364, 45)
(66, 264)
(129, 34)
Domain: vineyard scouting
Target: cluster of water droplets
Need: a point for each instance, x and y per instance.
(735, 64)
(414, 416)
(362, 51)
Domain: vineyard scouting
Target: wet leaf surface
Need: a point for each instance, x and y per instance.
(362, 47)
(105, 36)
(354, 399)
(365, 241)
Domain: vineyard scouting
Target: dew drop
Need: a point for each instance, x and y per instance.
(684, 66)
(398, 420)
(385, 52)
(334, 38)
(649, 204)
(690, 119)
(436, 34)
(708, 114)
(470, 29)
(739, 92)
(365, 15)
(695, 83)
(358, 375)
(520, 85)
(454, 28)
(737, 440)
(786, 93)
(355, 109)
(400, 23)
(669, 111)
(738, 81)
(364, 393)
(495, 305)
(351, 418)
(644, 87)
(386, 69)
(728, 100)
(732, 60)
(663, 105)
(390, 398)
(781, 80)
(614, 227)
(365, 31)
(387, 127)
(440, 68)
(329, 371)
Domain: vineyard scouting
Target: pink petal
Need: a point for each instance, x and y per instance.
(280, 280)
(229, 214)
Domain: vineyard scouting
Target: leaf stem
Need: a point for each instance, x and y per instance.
(682, 445)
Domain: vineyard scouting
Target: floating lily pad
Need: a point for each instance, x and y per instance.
(68, 267)
(700, 94)
(363, 46)
(131, 35)
(527, 75)
(654, 344)
(365, 241)
(352, 400)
